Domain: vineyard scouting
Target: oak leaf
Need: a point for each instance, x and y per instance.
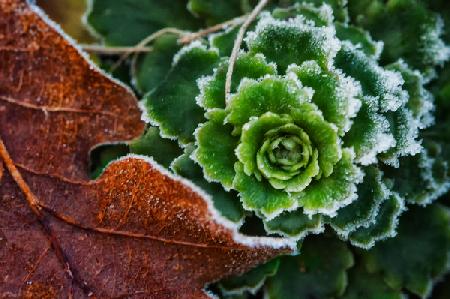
(137, 231)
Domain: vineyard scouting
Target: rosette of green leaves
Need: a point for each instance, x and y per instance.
(311, 126)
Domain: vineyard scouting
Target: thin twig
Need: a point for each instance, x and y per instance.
(100, 49)
(185, 38)
(145, 41)
(237, 44)
(188, 38)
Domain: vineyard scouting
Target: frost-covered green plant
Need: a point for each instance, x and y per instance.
(312, 128)
(329, 129)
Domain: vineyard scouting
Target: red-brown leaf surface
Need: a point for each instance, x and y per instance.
(137, 232)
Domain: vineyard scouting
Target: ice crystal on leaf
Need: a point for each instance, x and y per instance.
(312, 124)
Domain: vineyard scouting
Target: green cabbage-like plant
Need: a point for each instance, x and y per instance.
(314, 129)
(335, 132)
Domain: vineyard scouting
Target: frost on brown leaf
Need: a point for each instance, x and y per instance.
(136, 232)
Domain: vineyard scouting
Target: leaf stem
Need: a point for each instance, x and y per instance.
(190, 37)
(145, 41)
(138, 48)
(185, 38)
(237, 45)
(100, 49)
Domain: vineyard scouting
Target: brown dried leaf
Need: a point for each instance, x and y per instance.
(137, 232)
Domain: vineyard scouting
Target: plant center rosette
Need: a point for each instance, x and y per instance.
(314, 132)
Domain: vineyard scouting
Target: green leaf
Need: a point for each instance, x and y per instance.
(150, 69)
(371, 193)
(328, 194)
(370, 133)
(418, 255)
(364, 285)
(294, 224)
(406, 122)
(420, 101)
(275, 94)
(423, 178)
(219, 11)
(251, 281)
(151, 144)
(334, 94)
(318, 272)
(215, 150)
(339, 7)
(385, 224)
(224, 41)
(260, 196)
(227, 203)
(127, 22)
(292, 41)
(360, 38)
(375, 80)
(247, 66)
(405, 130)
(382, 92)
(321, 16)
(172, 105)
